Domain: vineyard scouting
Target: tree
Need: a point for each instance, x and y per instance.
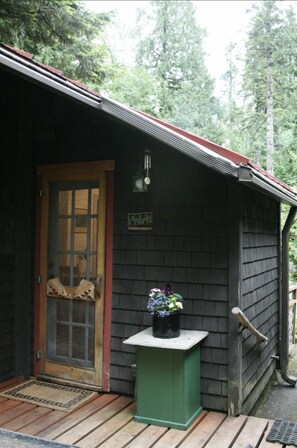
(170, 51)
(233, 120)
(133, 87)
(269, 71)
(60, 33)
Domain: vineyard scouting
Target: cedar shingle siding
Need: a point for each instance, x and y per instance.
(260, 287)
(188, 246)
(7, 353)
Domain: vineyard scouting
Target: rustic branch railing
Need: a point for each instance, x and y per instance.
(245, 323)
(292, 316)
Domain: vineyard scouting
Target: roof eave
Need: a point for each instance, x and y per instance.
(252, 178)
(244, 174)
(171, 138)
(196, 151)
(43, 76)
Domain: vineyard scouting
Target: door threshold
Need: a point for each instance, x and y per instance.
(70, 383)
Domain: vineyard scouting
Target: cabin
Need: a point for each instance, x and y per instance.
(101, 203)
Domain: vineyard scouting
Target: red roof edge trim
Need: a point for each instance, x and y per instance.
(20, 52)
(224, 152)
(271, 177)
(95, 93)
(48, 68)
(77, 83)
(51, 69)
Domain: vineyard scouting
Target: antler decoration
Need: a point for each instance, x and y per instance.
(245, 323)
(55, 288)
(85, 290)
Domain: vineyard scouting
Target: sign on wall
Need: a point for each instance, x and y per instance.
(140, 221)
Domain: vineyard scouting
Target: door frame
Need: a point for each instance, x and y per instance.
(83, 169)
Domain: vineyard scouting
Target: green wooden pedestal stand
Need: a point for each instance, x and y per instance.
(168, 378)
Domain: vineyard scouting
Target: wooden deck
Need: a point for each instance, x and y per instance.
(107, 422)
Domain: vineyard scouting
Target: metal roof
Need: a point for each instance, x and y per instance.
(208, 153)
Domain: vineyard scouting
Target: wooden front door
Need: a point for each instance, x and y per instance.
(72, 273)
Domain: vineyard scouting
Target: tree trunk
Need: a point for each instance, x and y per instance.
(270, 127)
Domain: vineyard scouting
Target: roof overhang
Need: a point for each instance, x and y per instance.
(251, 178)
(182, 142)
(36, 73)
(169, 137)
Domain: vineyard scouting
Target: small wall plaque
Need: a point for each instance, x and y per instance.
(140, 221)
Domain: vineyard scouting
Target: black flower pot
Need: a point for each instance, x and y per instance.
(166, 327)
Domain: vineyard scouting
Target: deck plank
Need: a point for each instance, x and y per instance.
(227, 432)
(8, 404)
(148, 437)
(174, 437)
(107, 421)
(252, 433)
(77, 416)
(16, 411)
(9, 384)
(44, 421)
(16, 424)
(264, 443)
(98, 418)
(101, 434)
(125, 435)
(204, 431)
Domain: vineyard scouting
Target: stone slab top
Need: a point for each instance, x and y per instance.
(186, 340)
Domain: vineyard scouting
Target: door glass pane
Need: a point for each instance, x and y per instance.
(81, 267)
(65, 271)
(64, 234)
(94, 201)
(78, 342)
(62, 344)
(93, 237)
(76, 225)
(65, 202)
(71, 330)
(73, 242)
(91, 336)
(63, 310)
(93, 267)
(79, 311)
(80, 241)
(81, 202)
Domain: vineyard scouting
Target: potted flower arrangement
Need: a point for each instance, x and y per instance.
(165, 306)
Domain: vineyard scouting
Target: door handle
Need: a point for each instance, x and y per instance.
(98, 285)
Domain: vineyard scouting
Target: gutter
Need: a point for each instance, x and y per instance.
(183, 144)
(40, 75)
(284, 342)
(208, 157)
(247, 175)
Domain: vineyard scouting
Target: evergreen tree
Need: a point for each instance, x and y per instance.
(60, 33)
(170, 52)
(270, 74)
(233, 120)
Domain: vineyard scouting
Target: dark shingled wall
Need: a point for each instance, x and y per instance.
(7, 241)
(7, 353)
(188, 246)
(260, 290)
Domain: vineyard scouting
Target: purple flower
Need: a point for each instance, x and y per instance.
(164, 302)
